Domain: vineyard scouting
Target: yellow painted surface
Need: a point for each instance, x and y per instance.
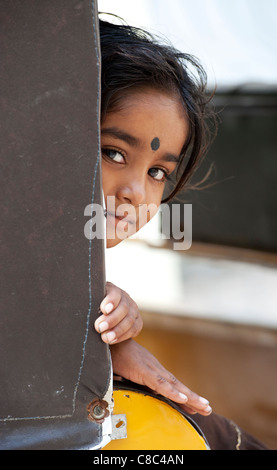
(153, 425)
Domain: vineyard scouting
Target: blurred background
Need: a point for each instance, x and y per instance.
(210, 313)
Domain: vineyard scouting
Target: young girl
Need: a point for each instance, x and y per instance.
(153, 132)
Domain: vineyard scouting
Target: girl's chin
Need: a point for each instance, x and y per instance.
(110, 243)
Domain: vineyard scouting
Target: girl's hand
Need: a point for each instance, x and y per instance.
(135, 363)
(121, 319)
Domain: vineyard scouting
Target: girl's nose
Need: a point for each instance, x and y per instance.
(132, 192)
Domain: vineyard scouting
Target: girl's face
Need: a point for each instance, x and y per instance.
(141, 143)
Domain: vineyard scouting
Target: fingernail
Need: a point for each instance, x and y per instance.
(111, 336)
(204, 401)
(183, 397)
(109, 308)
(208, 409)
(103, 326)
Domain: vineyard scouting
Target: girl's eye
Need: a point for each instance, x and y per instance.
(158, 174)
(114, 155)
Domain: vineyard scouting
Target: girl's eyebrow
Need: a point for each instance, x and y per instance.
(169, 157)
(121, 135)
(134, 141)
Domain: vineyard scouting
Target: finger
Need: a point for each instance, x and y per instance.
(162, 387)
(129, 327)
(192, 411)
(194, 399)
(106, 323)
(173, 389)
(111, 315)
(101, 324)
(198, 404)
(133, 332)
(122, 333)
(112, 299)
(183, 400)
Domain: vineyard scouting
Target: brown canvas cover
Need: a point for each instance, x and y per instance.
(52, 362)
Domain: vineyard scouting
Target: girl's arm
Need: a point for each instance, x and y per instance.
(134, 362)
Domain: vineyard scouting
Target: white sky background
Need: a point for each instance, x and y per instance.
(235, 40)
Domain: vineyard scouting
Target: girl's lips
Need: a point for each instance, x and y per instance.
(121, 217)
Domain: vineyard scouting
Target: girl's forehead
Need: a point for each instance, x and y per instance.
(148, 96)
(150, 131)
(149, 119)
(151, 105)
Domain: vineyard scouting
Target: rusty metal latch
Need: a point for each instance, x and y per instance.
(97, 410)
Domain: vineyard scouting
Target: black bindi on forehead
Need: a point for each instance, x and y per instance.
(155, 144)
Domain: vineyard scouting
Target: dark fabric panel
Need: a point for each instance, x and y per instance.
(52, 277)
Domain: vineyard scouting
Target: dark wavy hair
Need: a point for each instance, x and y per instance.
(132, 58)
